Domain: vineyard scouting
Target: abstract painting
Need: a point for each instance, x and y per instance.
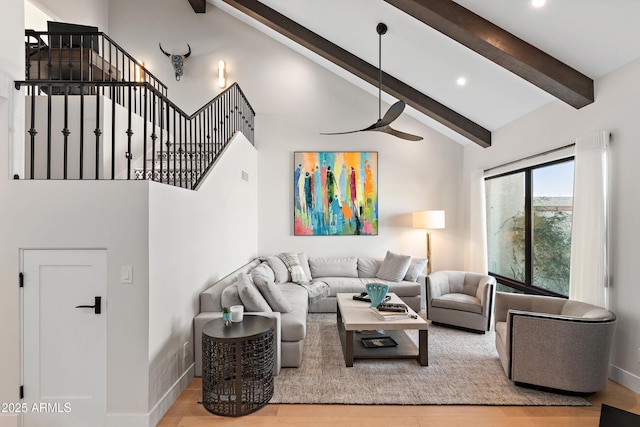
(335, 193)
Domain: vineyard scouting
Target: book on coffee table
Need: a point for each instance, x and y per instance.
(378, 342)
(390, 306)
(390, 315)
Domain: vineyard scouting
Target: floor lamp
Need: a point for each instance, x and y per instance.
(428, 220)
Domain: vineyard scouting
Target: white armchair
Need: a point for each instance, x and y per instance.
(462, 299)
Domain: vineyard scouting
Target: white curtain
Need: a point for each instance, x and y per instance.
(477, 258)
(589, 278)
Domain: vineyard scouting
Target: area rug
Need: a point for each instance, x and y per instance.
(464, 369)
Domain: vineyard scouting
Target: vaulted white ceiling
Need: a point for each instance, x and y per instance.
(592, 36)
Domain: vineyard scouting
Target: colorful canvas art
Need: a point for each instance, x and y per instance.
(335, 193)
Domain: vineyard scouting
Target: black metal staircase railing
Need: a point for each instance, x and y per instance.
(91, 118)
(90, 56)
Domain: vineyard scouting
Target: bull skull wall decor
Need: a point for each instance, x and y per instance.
(176, 60)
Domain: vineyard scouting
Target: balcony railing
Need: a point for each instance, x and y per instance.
(91, 116)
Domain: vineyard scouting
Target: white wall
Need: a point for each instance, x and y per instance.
(616, 108)
(112, 216)
(11, 68)
(86, 12)
(195, 239)
(296, 99)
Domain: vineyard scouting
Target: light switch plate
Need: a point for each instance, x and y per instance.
(126, 274)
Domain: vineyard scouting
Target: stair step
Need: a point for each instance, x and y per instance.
(170, 167)
(167, 175)
(191, 145)
(177, 156)
(185, 163)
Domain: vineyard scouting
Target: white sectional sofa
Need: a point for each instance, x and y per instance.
(341, 274)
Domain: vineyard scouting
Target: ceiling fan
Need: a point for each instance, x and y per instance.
(383, 123)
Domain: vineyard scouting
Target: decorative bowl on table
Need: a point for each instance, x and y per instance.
(377, 292)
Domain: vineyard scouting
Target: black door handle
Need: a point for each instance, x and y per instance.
(97, 306)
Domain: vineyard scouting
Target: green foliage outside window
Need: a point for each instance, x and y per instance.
(551, 249)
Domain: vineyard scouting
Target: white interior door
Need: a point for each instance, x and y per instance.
(64, 347)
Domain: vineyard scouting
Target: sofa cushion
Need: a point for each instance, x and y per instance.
(352, 285)
(341, 285)
(402, 289)
(294, 323)
(250, 296)
(368, 267)
(394, 267)
(263, 273)
(462, 302)
(230, 296)
(333, 267)
(415, 269)
(273, 295)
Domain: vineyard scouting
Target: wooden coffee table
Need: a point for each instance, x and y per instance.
(354, 316)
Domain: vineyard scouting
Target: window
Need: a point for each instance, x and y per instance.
(529, 214)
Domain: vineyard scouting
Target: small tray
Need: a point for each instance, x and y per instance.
(365, 297)
(378, 342)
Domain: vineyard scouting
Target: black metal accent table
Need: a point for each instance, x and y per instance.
(237, 365)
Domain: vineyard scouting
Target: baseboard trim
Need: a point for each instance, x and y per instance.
(171, 396)
(153, 417)
(624, 378)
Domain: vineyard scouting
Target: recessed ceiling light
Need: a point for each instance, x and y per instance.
(538, 3)
(461, 81)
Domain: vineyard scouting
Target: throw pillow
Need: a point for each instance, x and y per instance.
(304, 262)
(230, 296)
(279, 269)
(415, 268)
(292, 262)
(273, 295)
(250, 296)
(263, 273)
(394, 267)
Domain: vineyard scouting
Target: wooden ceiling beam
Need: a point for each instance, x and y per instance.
(503, 48)
(199, 6)
(362, 69)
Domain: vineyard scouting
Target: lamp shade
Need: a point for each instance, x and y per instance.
(428, 220)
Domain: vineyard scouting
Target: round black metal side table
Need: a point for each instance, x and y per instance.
(237, 365)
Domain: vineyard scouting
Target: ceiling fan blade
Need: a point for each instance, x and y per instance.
(399, 134)
(392, 113)
(341, 133)
(372, 127)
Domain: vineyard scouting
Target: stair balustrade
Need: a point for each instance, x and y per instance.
(94, 112)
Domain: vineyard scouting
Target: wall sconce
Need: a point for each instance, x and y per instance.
(428, 220)
(139, 73)
(222, 81)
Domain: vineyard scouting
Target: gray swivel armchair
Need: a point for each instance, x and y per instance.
(460, 298)
(554, 342)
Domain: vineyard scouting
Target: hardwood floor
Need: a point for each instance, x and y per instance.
(186, 412)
